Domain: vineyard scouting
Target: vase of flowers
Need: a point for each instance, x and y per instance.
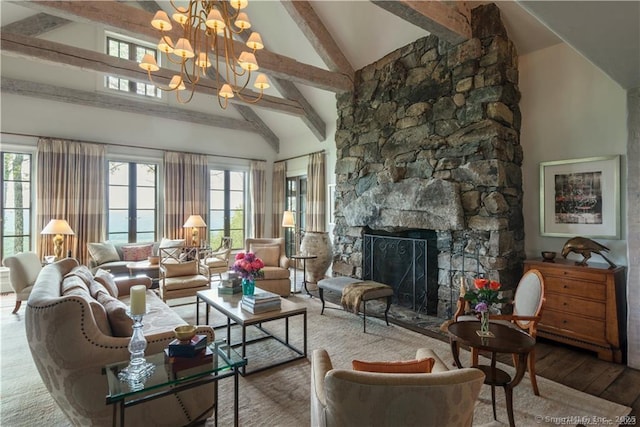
(485, 295)
(248, 266)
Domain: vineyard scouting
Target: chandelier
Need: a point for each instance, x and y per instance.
(207, 39)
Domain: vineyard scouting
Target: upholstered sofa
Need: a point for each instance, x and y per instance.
(71, 338)
(114, 257)
(345, 397)
(276, 276)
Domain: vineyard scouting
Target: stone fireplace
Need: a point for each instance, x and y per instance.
(428, 142)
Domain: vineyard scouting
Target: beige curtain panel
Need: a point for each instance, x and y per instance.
(278, 201)
(316, 193)
(71, 186)
(186, 189)
(258, 194)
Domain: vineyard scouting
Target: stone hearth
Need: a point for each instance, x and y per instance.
(429, 140)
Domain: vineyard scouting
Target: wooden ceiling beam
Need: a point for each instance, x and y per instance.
(35, 25)
(120, 103)
(60, 54)
(311, 25)
(136, 22)
(450, 20)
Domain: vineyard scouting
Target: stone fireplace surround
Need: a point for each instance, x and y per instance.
(429, 140)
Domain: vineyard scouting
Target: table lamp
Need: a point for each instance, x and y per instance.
(59, 227)
(195, 222)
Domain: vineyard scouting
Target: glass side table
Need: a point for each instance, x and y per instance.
(164, 381)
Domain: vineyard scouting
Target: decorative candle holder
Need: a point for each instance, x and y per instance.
(138, 368)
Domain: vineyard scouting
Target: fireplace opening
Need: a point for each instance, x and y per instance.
(408, 262)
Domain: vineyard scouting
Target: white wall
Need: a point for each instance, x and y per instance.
(570, 110)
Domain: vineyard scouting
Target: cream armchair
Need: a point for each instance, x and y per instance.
(442, 398)
(276, 276)
(24, 268)
(181, 273)
(217, 261)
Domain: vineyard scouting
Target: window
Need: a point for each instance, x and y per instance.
(16, 203)
(296, 201)
(134, 52)
(131, 202)
(227, 207)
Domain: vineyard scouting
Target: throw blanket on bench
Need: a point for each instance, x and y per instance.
(353, 293)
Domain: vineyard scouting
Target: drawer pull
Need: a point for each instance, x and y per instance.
(565, 286)
(564, 321)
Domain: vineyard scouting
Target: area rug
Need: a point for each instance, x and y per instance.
(280, 396)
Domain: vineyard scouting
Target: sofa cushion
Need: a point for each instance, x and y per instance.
(120, 322)
(181, 269)
(420, 366)
(269, 254)
(103, 252)
(71, 282)
(185, 282)
(95, 287)
(106, 279)
(137, 252)
(83, 272)
(98, 311)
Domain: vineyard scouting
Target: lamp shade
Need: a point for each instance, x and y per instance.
(194, 221)
(57, 226)
(288, 219)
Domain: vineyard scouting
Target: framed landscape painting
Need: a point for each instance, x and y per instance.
(580, 197)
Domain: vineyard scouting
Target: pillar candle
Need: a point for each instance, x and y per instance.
(138, 299)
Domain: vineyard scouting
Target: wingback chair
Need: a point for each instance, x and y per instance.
(24, 268)
(527, 311)
(341, 397)
(276, 277)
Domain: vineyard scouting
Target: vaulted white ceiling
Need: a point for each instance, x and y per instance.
(605, 32)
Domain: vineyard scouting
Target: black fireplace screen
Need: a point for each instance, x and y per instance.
(408, 262)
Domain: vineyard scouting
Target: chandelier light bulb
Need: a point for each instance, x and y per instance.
(248, 61)
(177, 83)
(183, 49)
(165, 44)
(215, 21)
(226, 92)
(149, 63)
(203, 60)
(242, 21)
(161, 21)
(239, 4)
(180, 15)
(262, 82)
(255, 41)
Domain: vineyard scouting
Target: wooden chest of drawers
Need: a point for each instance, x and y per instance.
(585, 306)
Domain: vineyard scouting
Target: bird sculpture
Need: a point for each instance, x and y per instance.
(584, 247)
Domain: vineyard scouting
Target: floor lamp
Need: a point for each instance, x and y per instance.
(60, 228)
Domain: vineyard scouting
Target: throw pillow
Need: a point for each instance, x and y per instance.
(121, 324)
(103, 252)
(189, 268)
(95, 288)
(106, 279)
(137, 252)
(98, 311)
(72, 282)
(421, 366)
(269, 254)
(81, 271)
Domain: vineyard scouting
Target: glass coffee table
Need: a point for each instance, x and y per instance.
(164, 381)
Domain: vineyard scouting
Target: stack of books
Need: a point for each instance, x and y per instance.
(260, 302)
(182, 355)
(230, 283)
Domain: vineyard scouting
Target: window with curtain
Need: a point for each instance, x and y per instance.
(131, 202)
(120, 47)
(296, 201)
(16, 203)
(227, 211)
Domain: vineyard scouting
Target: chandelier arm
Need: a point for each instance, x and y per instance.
(158, 85)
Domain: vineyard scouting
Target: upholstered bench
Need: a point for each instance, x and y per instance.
(338, 285)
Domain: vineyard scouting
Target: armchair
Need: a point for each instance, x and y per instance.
(276, 276)
(341, 397)
(527, 311)
(181, 273)
(217, 261)
(24, 268)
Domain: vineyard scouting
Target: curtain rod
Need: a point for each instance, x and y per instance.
(124, 145)
(297, 157)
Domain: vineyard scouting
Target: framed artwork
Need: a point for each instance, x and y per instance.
(580, 197)
(332, 203)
